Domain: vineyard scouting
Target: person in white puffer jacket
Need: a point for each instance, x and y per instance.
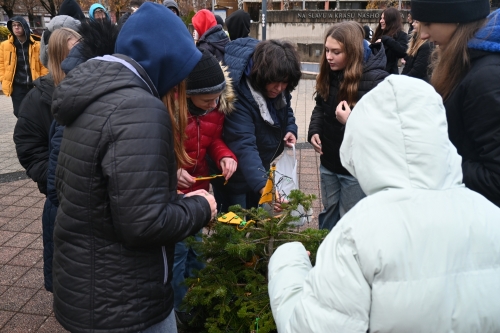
(421, 253)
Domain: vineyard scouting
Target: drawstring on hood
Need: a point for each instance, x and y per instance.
(148, 36)
(397, 137)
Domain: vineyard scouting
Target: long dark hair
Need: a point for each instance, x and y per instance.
(393, 24)
(350, 36)
(275, 61)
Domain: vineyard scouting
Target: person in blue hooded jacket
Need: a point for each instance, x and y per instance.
(119, 213)
(264, 74)
(466, 74)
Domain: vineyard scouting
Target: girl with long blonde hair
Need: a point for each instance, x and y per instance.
(349, 68)
(32, 134)
(418, 57)
(466, 72)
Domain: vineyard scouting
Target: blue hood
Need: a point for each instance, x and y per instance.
(488, 38)
(158, 40)
(97, 6)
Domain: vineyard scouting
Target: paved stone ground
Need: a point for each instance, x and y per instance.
(25, 306)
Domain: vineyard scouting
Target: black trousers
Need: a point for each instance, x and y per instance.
(18, 93)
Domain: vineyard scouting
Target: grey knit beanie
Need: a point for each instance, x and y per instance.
(60, 21)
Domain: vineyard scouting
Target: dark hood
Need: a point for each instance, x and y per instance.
(377, 58)
(148, 37)
(21, 20)
(98, 39)
(238, 24)
(71, 8)
(87, 83)
(46, 85)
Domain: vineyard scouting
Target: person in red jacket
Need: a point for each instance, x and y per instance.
(210, 97)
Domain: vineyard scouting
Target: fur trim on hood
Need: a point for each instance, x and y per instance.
(228, 96)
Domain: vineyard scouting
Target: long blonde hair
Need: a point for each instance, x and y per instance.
(450, 64)
(175, 101)
(415, 41)
(350, 36)
(58, 51)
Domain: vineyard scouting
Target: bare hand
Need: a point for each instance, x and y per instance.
(210, 198)
(378, 41)
(403, 61)
(184, 179)
(290, 139)
(228, 166)
(316, 143)
(342, 112)
(278, 201)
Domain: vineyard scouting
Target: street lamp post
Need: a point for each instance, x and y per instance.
(263, 19)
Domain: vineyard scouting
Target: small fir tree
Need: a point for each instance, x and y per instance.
(230, 294)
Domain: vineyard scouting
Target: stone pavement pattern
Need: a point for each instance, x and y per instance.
(25, 306)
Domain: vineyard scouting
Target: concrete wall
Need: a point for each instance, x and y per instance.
(309, 26)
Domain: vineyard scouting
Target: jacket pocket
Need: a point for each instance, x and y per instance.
(165, 265)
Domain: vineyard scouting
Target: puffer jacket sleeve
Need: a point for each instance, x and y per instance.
(32, 140)
(56, 134)
(398, 45)
(3, 54)
(481, 114)
(140, 166)
(316, 123)
(334, 296)
(218, 149)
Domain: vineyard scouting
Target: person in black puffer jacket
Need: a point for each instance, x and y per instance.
(347, 57)
(32, 131)
(390, 33)
(120, 215)
(466, 74)
(31, 136)
(419, 55)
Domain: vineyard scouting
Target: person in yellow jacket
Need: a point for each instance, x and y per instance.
(19, 62)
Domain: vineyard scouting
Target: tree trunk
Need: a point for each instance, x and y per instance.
(31, 18)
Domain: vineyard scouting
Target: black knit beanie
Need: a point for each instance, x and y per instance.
(449, 11)
(206, 77)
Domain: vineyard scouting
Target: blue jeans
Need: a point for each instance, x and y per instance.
(168, 325)
(339, 193)
(185, 263)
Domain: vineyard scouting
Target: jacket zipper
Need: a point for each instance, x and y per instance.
(279, 144)
(165, 263)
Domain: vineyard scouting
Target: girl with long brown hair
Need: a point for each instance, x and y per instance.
(390, 33)
(466, 72)
(417, 61)
(349, 68)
